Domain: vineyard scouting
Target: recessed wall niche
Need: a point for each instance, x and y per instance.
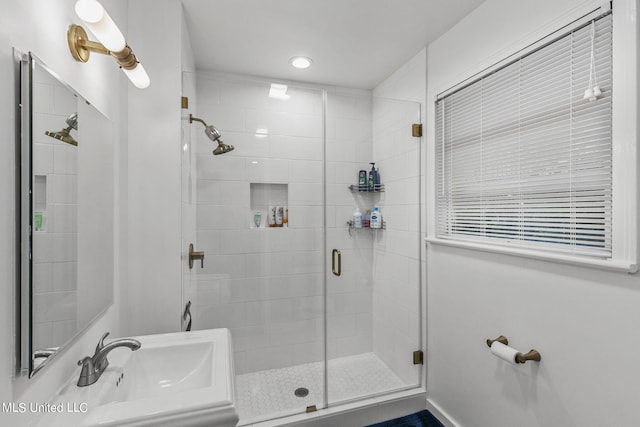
(269, 205)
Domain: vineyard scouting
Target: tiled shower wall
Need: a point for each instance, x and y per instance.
(55, 245)
(266, 284)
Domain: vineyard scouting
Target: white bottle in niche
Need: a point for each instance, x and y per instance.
(357, 218)
(279, 215)
(376, 218)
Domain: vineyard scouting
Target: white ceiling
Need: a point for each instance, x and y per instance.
(353, 43)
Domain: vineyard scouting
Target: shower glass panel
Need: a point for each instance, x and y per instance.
(320, 312)
(373, 306)
(263, 271)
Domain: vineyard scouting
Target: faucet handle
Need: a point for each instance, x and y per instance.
(101, 342)
(88, 373)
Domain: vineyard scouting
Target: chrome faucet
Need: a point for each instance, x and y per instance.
(94, 366)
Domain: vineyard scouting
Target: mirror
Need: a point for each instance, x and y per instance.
(67, 213)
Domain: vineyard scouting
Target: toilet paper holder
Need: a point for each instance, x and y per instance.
(520, 358)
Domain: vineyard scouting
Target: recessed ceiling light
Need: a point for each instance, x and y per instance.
(300, 62)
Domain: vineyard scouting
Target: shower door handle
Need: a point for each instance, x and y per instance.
(335, 252)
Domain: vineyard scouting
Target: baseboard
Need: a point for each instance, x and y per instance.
(441, 415)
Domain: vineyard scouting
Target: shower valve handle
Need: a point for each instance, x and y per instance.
(193, 255)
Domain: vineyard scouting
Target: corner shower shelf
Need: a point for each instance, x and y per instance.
(356, 189)
(352, 227)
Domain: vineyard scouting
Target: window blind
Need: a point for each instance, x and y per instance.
(522, 159)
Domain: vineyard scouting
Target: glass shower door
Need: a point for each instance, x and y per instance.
(260, 224)
(373, 308)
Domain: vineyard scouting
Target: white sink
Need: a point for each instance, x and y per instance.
(184, 379)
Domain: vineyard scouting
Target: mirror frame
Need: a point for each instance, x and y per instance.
(24, 298)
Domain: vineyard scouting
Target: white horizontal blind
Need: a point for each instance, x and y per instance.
(522, 159)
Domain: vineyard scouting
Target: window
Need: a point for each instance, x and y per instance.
(523, 159)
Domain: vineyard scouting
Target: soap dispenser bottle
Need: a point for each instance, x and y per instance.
(376, 218)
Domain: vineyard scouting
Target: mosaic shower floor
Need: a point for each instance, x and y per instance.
(269, 394)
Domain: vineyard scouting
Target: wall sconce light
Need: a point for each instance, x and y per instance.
(111, 41)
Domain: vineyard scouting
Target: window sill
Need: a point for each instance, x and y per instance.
(604, 264)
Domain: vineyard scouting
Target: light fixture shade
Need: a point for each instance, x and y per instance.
(138, 76)
(100, 24)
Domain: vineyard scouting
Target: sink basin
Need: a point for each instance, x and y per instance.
(184, 379)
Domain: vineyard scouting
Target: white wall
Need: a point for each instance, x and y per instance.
(40, 27)
(151, 300)
(582, 320)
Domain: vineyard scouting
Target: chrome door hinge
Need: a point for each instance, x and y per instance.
(418, 358)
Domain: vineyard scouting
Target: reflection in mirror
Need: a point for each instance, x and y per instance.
(69, 281)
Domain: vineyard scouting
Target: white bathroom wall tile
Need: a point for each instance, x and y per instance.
(220, 167)
(225, 118)
(231, 316)
(65, 159)
(308, 307)
(339, 194)
(208, 293)
(341, 150)
(229, 265)
(307, 352)
(242, 362)
(296, 148)
(223, 192)
(63, 331)
(305, 284)
(62, 189)
(55, 306)
(42, 158)
(269, 171)
(43, 97)
(268, 263)
(305, 216)
(66, 218)
(307, 171)
(208, 241)
(218, 217)
(341, 326)
(42, 277)
(295, 332)
(65, 102)
(250, 337)
(43, 334)
(304, 100)
(273, 358)
(353, 130)
(305, 194)
(65, 276)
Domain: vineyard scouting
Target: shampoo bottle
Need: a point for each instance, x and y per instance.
(357, 219)
(362, 180)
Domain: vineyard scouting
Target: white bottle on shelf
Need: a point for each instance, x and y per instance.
(376, 218)
(357, 218)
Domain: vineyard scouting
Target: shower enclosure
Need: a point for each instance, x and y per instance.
(321, 313)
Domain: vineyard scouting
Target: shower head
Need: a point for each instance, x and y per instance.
(214, 135)
(222, 148)
(65, 134)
